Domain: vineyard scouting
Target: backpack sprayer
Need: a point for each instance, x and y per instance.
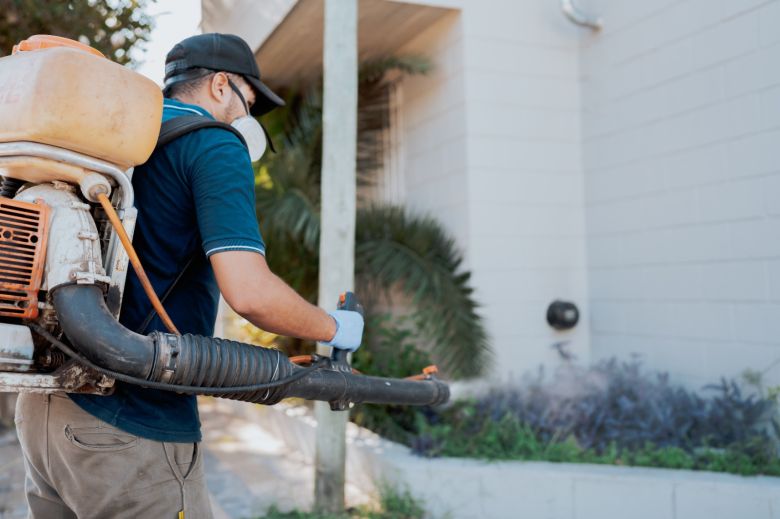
(72, 126)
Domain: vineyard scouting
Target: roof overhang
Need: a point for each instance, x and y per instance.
(252, 20)
(292, 53)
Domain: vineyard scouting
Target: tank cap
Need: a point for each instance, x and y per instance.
(47, 41)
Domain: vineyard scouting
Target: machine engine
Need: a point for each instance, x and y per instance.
(52, 236)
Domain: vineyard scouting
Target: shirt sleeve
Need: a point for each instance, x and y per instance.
(223, 189)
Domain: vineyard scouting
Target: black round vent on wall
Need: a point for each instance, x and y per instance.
(562, 315)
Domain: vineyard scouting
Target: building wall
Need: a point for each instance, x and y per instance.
(492, 149)
(631, 171)
(432, 143)
(525, 176)
(680, 125)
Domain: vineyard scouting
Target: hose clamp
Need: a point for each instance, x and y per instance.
(167, 355)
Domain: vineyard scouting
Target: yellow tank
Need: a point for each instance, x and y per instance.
(80, 101)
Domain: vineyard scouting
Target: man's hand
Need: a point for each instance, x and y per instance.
(349, 330)
(263, 299)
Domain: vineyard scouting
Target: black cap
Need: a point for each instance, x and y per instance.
(224, 53)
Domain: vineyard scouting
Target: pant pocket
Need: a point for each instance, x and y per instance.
(186, 460)
(100, 439)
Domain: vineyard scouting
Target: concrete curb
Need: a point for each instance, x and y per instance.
(467, 488)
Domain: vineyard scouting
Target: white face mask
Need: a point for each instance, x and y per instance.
(249, 129)
(253, 134)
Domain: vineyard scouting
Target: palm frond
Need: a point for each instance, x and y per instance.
(396, 249)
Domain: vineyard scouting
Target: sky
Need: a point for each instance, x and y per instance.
(176, 20)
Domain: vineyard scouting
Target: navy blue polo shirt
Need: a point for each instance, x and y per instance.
(195, 197)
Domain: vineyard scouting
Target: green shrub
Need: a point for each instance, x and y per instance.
(397, 504)
(275, 513)
(393, 504)
(611, 413)
(509, 438)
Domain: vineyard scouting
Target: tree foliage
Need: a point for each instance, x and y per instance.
(395, 249)
(111, 26)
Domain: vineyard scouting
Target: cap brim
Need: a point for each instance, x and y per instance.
(266, 100)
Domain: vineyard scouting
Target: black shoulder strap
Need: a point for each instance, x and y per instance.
(153, 312)
(174, 128)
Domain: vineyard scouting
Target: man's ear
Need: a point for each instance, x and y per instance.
(219, 86)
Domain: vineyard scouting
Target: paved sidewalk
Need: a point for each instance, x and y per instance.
(12, 505)
(247, 470)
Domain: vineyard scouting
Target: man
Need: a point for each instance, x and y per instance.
(135, 454)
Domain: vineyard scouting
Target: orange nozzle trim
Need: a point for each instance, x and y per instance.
(426, 373)
(47, 41)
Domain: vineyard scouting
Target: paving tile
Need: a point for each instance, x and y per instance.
(12, 504)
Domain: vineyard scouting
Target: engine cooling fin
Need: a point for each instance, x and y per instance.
(23, 233)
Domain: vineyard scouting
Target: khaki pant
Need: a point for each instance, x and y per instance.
(78, 466)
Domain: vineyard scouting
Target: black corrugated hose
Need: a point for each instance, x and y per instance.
(212, 366)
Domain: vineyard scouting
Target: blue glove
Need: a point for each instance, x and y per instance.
(349, 330)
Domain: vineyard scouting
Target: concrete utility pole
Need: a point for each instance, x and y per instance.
(337, 235)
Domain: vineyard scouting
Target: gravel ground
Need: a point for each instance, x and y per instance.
(12, 504)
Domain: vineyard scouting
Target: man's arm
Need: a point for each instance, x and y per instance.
(263, 299)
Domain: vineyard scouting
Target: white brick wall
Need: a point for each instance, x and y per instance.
(433, 137)
(493, 150)
(680, 124)
(525, 176)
